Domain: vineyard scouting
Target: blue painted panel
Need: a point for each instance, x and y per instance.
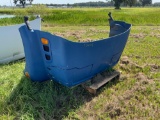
(34, 63)
(71, 63)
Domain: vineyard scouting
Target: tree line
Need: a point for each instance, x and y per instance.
(131, 3)
(116, 3)
(22, 2)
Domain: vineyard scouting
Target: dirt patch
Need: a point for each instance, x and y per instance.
(138, 35)
(153, 34)
(93, 30)
(115, 109)
(128, 95)
(124, 103)
(86, 40)
(82, 35)
(115, 112)
(125, 60)
(155, 57)
(59, 34)
(75, 34)
(127, 65)
(141, 76)
(154, 67)
(124, 77)
(158, 36)
(109, 107)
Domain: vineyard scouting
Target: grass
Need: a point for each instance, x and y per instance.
(135, 96)
(86, 16)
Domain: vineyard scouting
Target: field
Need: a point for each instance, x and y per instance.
(136, 95)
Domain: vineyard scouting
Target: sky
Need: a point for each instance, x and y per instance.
(8, 2)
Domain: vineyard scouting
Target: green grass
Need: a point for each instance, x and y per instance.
(87, 16)
(135, 96)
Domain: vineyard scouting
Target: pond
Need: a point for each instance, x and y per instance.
(6, 16)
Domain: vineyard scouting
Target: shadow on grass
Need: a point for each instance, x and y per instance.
(12, 62)
(46, 100)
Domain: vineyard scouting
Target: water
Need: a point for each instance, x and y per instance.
(6, 16)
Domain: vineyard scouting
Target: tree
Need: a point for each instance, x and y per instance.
(145, 2)
(22, 2)
(156, 4)
(130, 2)
(117, 3)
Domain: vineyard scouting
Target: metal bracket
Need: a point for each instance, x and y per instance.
(26, 20)
(100, 80)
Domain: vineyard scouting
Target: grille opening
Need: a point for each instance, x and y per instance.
(46, 48)
(47, 57)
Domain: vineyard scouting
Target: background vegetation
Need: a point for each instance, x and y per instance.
(136, 95)
(115, 3)
(85, 16)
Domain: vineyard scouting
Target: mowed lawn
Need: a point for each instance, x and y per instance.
(136, 95)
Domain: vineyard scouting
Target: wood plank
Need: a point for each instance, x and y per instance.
(100, 80)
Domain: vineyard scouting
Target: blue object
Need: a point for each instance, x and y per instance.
(71, 63)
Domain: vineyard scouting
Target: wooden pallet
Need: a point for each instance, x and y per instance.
(100, 80)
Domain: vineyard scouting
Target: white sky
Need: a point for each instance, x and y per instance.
(8, 2)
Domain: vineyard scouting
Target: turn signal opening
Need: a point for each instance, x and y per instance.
(27, 75)
(44, 41)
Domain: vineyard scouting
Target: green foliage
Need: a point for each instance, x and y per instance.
(117, 3)
(130, 2)
(11, 21)
(146, 2)
(22, 2)
(125, 2)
